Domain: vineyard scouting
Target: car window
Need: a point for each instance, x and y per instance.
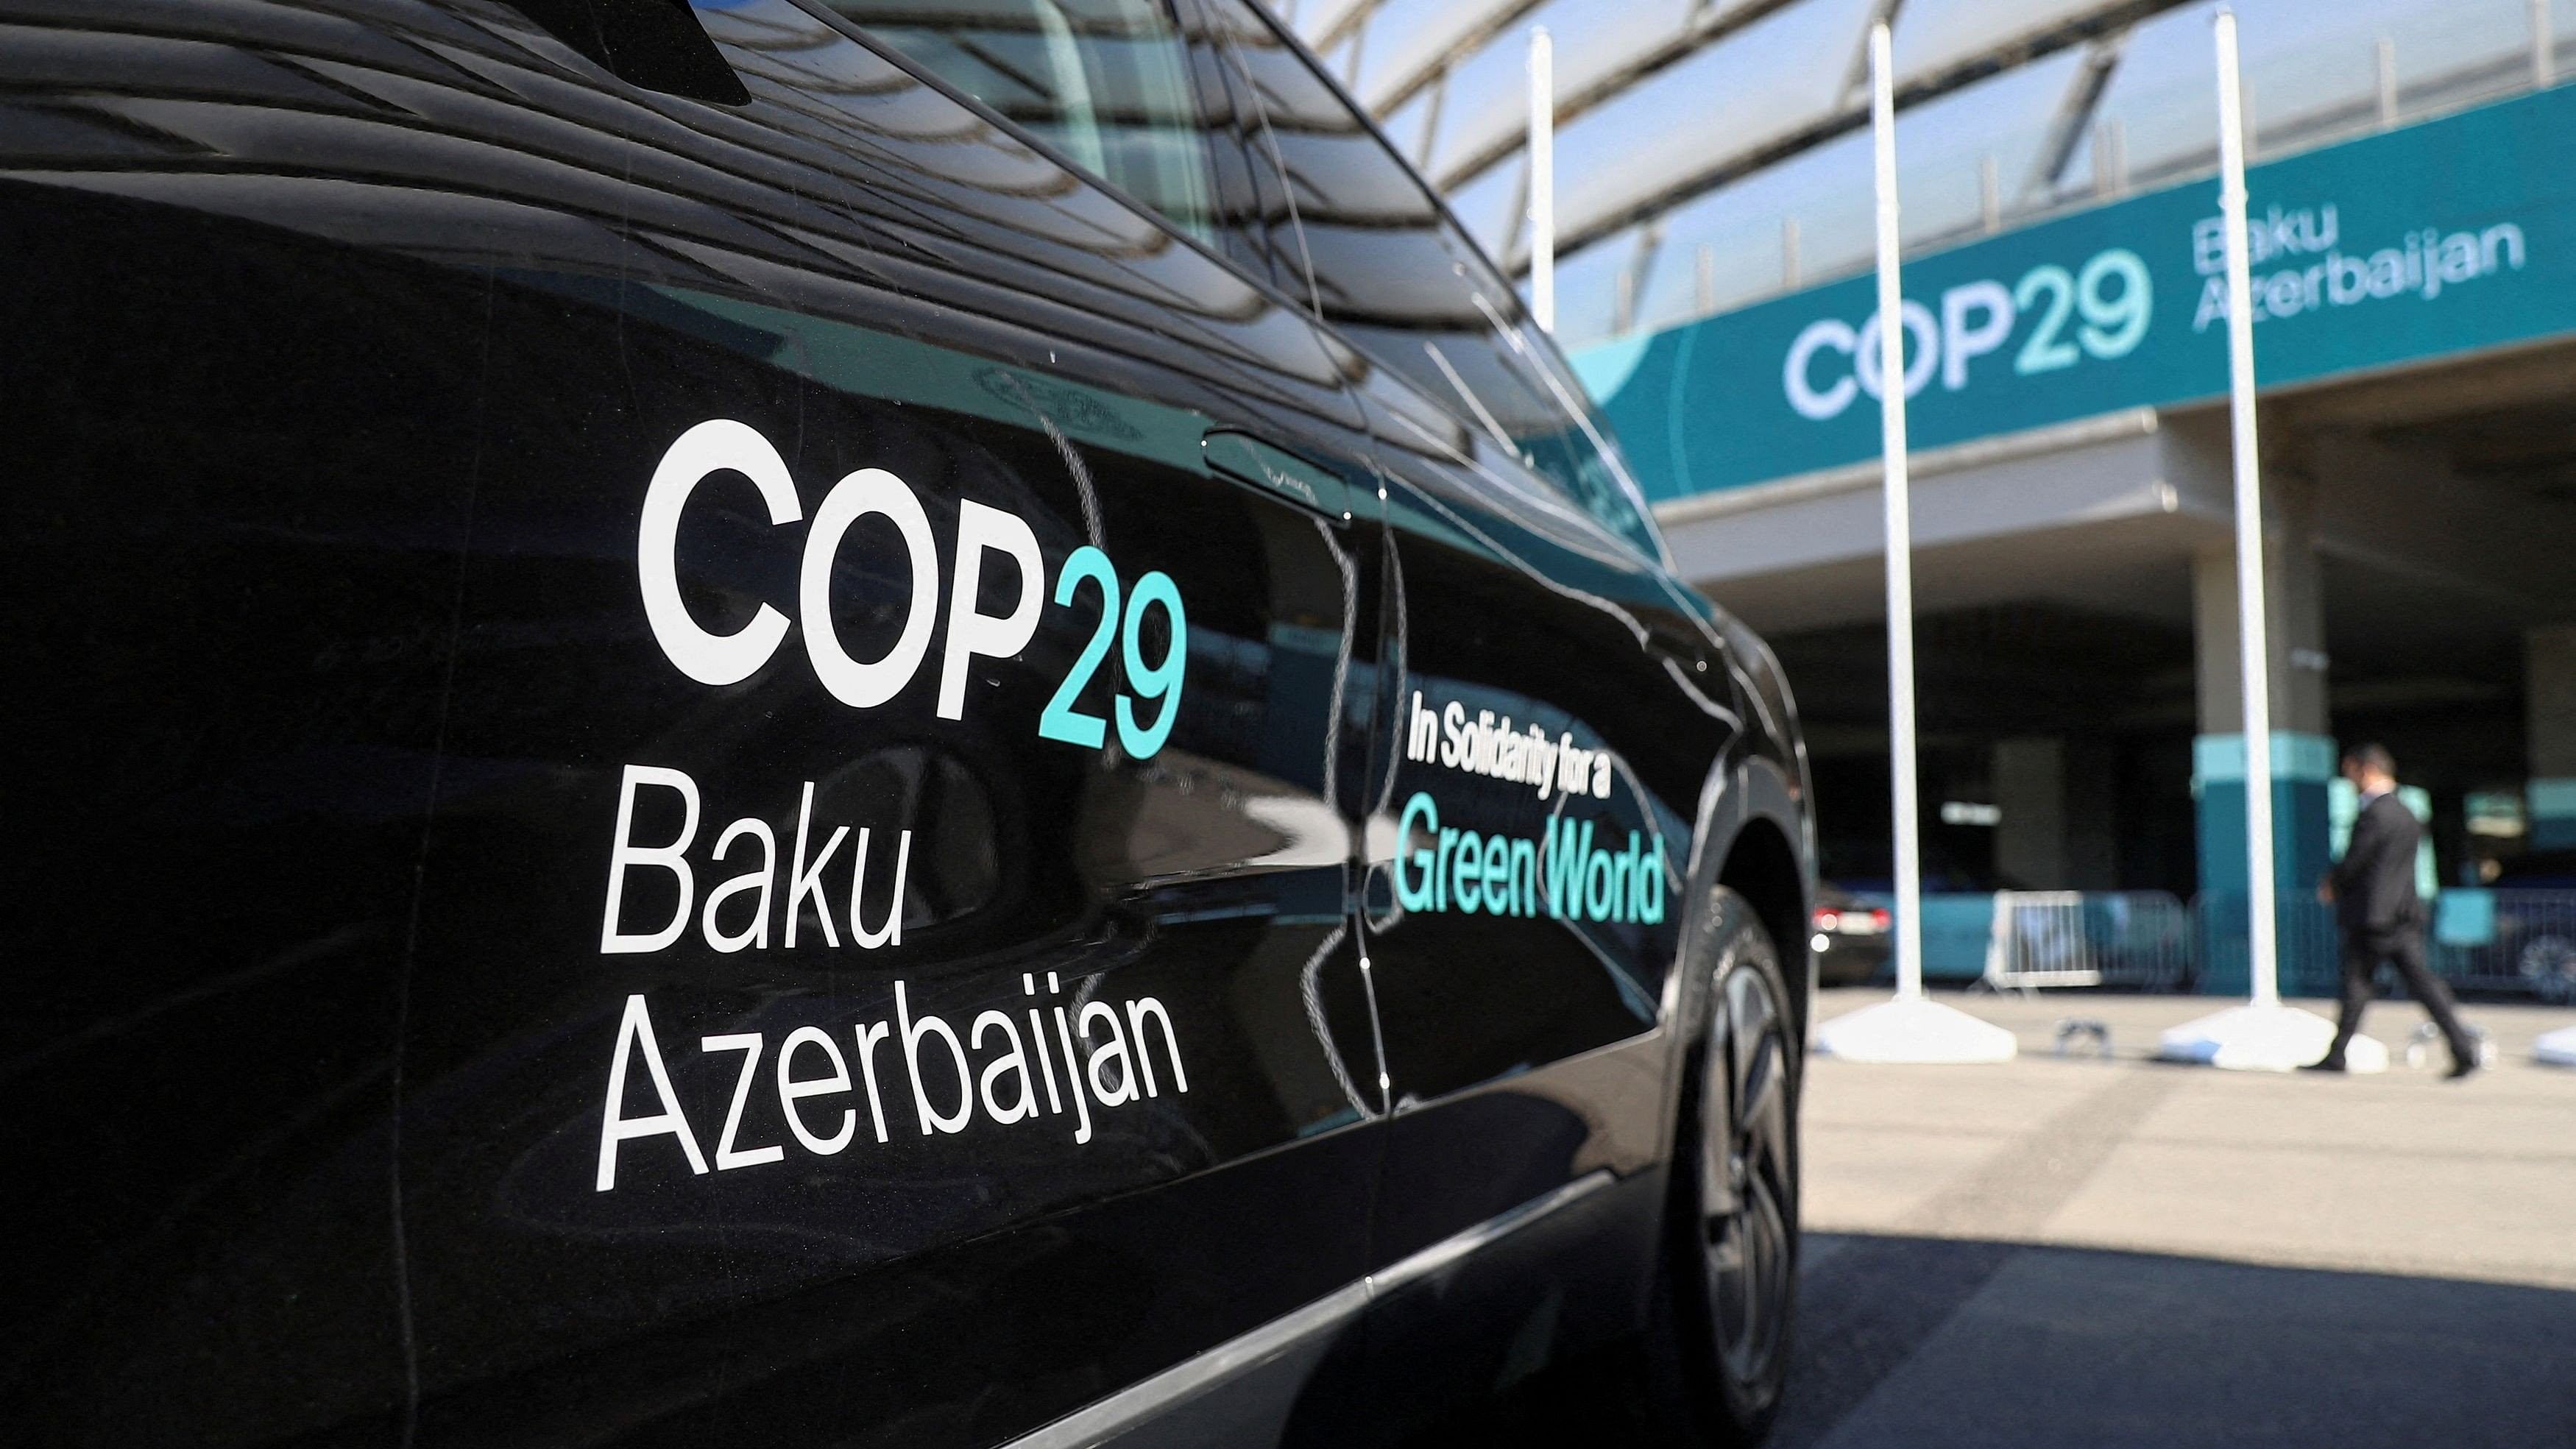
(1258, 228)
(1105, 82)
(1399, 279)
(1589, 469)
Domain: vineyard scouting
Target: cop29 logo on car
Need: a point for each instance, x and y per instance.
(1144, 709)
(2100, 311)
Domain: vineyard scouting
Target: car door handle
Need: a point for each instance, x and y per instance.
(1685, 647)
(1277, 472)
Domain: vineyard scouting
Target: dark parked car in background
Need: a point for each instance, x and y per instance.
(780, 723)
(2530, 927)
(1850, 937)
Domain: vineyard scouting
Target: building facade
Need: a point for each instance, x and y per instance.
(2414, 246)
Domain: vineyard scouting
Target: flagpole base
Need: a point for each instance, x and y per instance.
(1912, 1030)
(2556, 1048)
(2275, 1038)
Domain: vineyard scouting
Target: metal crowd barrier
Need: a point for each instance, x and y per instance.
(2309, 951)
(2133, 940)
(2517, 942)
(2514, 942)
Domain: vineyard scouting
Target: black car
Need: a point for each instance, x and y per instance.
(1851, 937)
(876, 723)
(2531, 932)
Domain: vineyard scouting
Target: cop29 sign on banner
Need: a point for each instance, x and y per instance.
(2444, 237)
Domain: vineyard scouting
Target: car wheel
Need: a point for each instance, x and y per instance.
(2548, 963)
(1730, 1270)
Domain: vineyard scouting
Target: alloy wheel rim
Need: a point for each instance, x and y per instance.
(1746, 1185)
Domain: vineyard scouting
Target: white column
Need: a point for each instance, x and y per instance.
(1898, 500)
(2253, 649)
(2262, 1035)
(1910, 1028)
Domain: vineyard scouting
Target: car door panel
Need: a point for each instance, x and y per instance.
(1527, 1047)
(625, 1189)
(1560, 711)
(1163, 881)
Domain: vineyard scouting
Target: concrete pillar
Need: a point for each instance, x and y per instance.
(2092, 815)
(2030, 790)
(2549, 691)
(2057, 796)
(2303, 754)
(2295, 617)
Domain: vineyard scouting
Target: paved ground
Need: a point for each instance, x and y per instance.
(2117, 1253)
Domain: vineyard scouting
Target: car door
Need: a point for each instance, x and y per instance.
(1158, 849)
(1559, 709)
(879, 666)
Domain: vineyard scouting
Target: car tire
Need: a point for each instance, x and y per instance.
(2548, 963)
(1726, 1289)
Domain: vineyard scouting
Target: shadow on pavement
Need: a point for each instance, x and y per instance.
(1921, 1343)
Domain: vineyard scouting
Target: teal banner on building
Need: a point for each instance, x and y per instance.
(2449, 236)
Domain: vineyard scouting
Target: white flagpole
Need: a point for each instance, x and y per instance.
(1898, 501)
(1910, 1028)
(1542, 178)
(2262, 1035)
(2253, 646)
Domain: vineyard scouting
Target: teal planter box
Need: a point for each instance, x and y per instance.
(1956, 929)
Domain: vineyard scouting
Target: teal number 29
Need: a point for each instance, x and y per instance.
(1162, 680)
(1062, 721)
(2114, 322)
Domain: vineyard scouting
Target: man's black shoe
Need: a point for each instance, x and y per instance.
(2328, 1064)
(2461, 1069)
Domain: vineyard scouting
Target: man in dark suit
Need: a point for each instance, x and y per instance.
(2379, 913)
